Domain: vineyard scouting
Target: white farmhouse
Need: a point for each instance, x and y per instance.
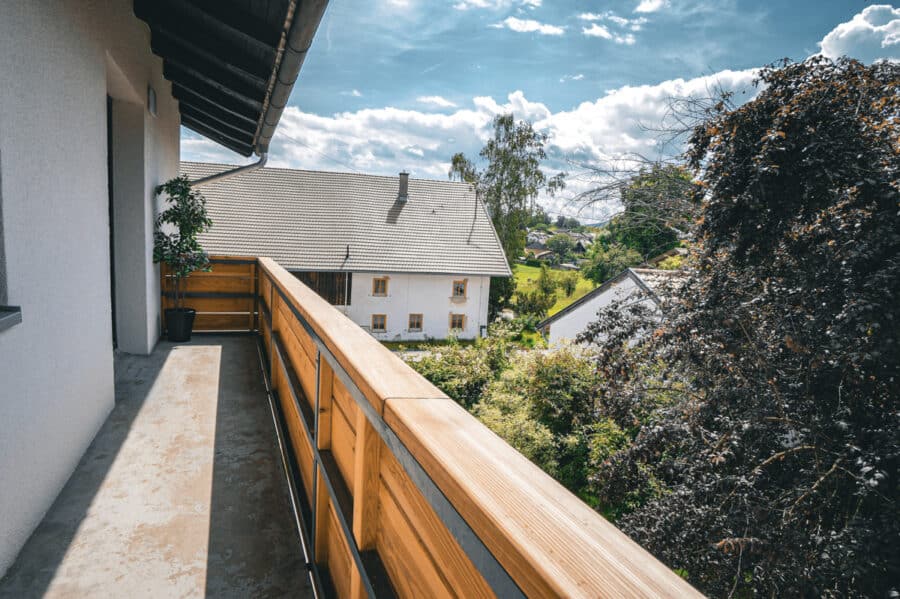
(644, 284)
(406, 259)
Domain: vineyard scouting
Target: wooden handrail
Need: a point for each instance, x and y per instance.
(408, 493)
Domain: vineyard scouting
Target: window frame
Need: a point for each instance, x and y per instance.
(465, 289)
(9, 315)
(461, 317)
(375, 282)
(383, 323)
(409, 322)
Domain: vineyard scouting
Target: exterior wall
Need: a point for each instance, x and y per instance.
(568, 326)
(429, 295)
(58, 61)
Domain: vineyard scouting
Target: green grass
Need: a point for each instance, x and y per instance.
(526, 279)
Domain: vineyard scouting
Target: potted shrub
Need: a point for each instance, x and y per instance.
(175, 244)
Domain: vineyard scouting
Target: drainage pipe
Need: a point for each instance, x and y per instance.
(235, 171)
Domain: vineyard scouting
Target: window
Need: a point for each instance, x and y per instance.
(333, 287)
(379, 286)
(415, 322)
(3, 298)
(379, 323)
(457, 322)
(459, 289)
(9, 315)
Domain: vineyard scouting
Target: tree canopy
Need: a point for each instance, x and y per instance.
(659, 208)
(511, 179)
(509, 184)
(774, 377)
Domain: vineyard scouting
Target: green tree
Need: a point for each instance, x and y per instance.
(561, 244)
(546, 283)
(605, 262)
(534, 302)
(539, 218)
(508, 184)
(659, 208)
(176, 229)
(569, 282)
(781, 355)
(659, 204)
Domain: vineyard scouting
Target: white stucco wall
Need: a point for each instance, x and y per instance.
(429, 295)
(58, 61)
(569, 325)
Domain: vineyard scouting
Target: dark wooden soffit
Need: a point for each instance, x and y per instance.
(222, 57)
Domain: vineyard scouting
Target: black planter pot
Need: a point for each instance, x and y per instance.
(180, 323)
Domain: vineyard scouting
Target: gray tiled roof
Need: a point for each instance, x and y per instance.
(306, 219)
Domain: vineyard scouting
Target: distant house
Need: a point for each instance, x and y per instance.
(406, 259)
(536, 239)
(568, 323)
(538, 254)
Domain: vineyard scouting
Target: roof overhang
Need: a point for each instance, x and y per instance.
(232, 64)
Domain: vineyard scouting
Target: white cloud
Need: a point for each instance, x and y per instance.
(387, 140)
(598, 30)
(577, 77)
(354, 92)
(650, 5)
(633, 24)
(495, 4)
(528, 26)
(437, 101)
(871, 34)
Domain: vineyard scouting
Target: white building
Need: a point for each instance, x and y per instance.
(644, 284)
(89, 126)
(406, 259)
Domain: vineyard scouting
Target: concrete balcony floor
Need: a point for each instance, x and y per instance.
(181, 494)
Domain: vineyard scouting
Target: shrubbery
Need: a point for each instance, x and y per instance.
(770, 464)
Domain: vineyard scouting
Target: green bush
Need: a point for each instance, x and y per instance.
(546, 282)
(568, 282)
(507, 415)
(534, 302)
(460, 372)
(606, 262)
(671, 263)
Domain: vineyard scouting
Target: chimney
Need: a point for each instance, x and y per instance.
(403, 194)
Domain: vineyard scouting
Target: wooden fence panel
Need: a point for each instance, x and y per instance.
(224, 298)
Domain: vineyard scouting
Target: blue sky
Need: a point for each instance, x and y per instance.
(403, 84)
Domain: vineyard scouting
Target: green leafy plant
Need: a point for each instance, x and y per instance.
(176, 229)
(771, 466)
(569, 282)
(606, 262)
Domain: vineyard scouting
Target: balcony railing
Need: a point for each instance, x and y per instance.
(397, 490)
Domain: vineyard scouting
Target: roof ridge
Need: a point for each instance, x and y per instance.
(328, 172)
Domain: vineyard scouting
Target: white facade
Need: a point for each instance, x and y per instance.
(59, 60)
(428, 295)
(574, 320)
